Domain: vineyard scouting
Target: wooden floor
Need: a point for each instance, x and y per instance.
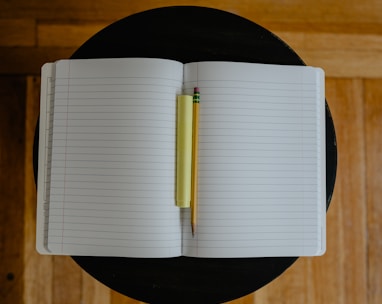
(343, 37)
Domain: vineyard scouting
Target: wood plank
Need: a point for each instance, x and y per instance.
(339, 54)
(343, 268)
(12, 145)
(28, 61)
(331, 41)
(373, 121)
(37, 268)
(310, 27)
(312, 11)
(345, 63)
(340, 275)
(67, 281)
(17, 32)
(368, 11)
(66, 35)
(76, 10)
(293, 286)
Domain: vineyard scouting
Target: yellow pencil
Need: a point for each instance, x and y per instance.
(194, 169)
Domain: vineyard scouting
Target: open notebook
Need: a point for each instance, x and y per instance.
(107, 151)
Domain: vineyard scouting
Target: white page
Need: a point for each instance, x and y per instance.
(113, 165)
(43, 183)
(261, 161)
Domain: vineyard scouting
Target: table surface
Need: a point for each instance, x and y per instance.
(191, 34)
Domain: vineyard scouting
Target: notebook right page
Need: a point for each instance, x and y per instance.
(261, 160)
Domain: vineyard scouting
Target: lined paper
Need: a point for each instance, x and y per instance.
(113, 164)
(109, 154)
(261, 164)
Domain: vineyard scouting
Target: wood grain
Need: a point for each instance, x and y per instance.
(50, 35)
(12, 143)
(272, 10)
(29, 60)
(348, 215)
(373, 119)
(343, 37)
(66, 277)
(17, 32)
(38, 269)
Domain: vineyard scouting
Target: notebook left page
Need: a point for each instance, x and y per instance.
(45, 119)
(113, 158)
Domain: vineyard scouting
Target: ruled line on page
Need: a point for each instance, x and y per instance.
(263, 121)
(109, 129)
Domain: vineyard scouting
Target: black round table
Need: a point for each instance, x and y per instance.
(191, 34)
